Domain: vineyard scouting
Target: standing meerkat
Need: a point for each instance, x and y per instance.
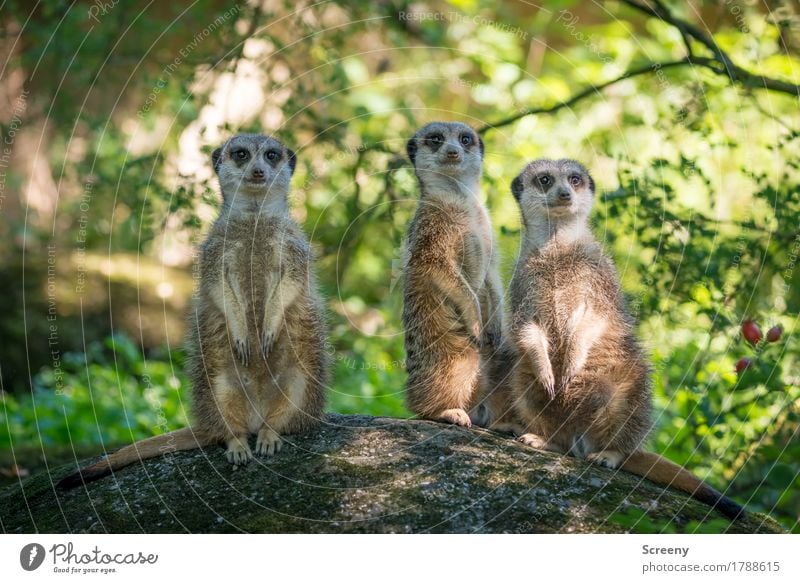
(453, 303)
(256, 337)
(582, 384)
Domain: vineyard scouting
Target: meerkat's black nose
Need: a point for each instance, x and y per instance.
(258, 173)
(452, 153)
(564, 195)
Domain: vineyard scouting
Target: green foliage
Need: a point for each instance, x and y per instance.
(111, 395)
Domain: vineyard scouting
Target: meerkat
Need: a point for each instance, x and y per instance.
(256, 337)
(453, 300)
(582, 383)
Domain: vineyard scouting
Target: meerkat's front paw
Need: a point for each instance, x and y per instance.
(548, 381)
(565, 381)
(268, 442)
(607, 458)
(238, 452)
(533, 440)
(242, 348)
(571, 370)
(456, 417)
(267, 340)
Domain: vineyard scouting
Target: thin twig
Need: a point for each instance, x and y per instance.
(593, 89)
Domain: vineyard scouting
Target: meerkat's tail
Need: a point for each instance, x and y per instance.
(179, 440)
(662, 471)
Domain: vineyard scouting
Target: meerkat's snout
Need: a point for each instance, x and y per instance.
(563, 196)
(258, 175)
(452, 154)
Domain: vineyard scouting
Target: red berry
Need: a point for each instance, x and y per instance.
(743, 364)
(774, 334)
(751, 332)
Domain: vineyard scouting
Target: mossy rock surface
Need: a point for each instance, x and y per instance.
(365, 474)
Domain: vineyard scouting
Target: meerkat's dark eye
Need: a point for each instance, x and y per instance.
(466, 139)
(272, 155)
(575, 180)
(436, 139)
(241, 154)
(544, 180)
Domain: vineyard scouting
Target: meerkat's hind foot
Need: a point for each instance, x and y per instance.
(534, 440)
(268, 442)
(455, 416)
(238, 452)
(608, 458)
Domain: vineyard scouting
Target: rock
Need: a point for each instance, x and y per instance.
(366, 474)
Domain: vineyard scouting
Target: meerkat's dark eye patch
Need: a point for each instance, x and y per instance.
(272, 155)
(466, 140)
(575, 180)
(435, 140)
(240, 155)
(543, 180)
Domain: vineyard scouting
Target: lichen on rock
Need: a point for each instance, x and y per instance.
(361, 474)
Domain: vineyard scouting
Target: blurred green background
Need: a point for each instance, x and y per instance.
(110, 111)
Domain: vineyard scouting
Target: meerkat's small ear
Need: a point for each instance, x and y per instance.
(216, 158)
(591, 182)
(292, 158)
(411, 149)
(480, 145)
(517, 187)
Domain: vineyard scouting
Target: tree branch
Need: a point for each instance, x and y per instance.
(659, 10)
(649, 68)
(721, 64)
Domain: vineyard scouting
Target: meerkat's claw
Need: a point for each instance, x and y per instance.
(456, 417)
(268, 442)
(239, 452)
(242, 351)
(551, 390)
(267, 340)
(533, 440)
(569, 375)
(549, 383)
(607, 458)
